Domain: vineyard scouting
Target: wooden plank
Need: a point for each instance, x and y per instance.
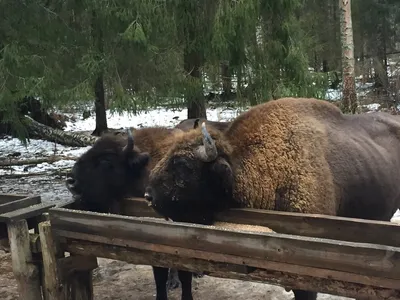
(18, 204)
(26, 212)
(25, 272)
(52, 287)
(80, 286)
(320, 226)
(233, 271)
(312, 225)
(5, 198)
(249, 263)
(366, 259)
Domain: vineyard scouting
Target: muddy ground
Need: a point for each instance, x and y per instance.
(116, 280)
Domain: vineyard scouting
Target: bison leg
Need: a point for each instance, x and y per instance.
(304, 295)
(186, 280)
(161, 277)
(173, 280)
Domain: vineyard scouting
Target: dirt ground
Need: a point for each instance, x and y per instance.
(117, 280)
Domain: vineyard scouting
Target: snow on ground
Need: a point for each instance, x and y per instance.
(156, 117)
(12, 148)
(37, 148)
(361, 89)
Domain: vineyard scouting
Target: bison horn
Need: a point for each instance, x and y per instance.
(208, 151)
(129, 147)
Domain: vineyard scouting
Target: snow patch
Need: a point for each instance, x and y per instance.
(373, 106)
(156, 117)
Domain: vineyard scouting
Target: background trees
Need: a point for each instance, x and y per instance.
(131, 55)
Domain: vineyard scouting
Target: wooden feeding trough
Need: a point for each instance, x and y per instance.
(342, 256)
(18, 214)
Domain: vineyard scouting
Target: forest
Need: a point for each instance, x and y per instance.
(72, 70)
(132, 56)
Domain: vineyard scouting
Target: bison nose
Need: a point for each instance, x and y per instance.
(71, 184)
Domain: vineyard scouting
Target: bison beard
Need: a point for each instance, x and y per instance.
(298, 155)
(115, 168)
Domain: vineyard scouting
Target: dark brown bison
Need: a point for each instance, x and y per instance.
(189, 124)
(297, 155)
(115, 168)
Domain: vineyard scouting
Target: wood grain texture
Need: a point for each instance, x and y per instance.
(18, 204)
(25, 272)
(311, 225)
(233, 271)
(366, 259)
(52, 287)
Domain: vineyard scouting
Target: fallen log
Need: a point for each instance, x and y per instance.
(40, 131)
(57, 172)
(35, 161)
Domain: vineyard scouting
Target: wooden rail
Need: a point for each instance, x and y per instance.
(311, 225)
(320, 253)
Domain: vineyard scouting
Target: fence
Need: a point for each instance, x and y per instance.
(341, 256)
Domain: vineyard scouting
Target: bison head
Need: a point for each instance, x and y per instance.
(107, 172)
(193, 180)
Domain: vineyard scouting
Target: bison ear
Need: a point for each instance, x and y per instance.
(223, 175)
(140, 160)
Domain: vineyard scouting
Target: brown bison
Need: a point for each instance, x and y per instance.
(297, 155)
(115, 168)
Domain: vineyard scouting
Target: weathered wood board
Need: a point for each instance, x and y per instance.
(311, 225)
(318, 281)
(361, 263)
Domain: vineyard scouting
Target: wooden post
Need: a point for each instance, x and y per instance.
(25, 272)
(52, 288)
(80, 286)
(77, 271)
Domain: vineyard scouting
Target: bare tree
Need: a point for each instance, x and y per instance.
(349, 99)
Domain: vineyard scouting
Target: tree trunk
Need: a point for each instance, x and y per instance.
(100, 107)
(100, 103)
(349, 100)
(226, 81)
(325, 66)
(40, 131)
(195, 99)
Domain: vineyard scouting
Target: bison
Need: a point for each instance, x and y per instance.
(291, 154)
(117, 167)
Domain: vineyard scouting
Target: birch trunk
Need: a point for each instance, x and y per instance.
(349, 99)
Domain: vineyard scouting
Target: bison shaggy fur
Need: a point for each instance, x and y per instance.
(290, 154)
(110, 171)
